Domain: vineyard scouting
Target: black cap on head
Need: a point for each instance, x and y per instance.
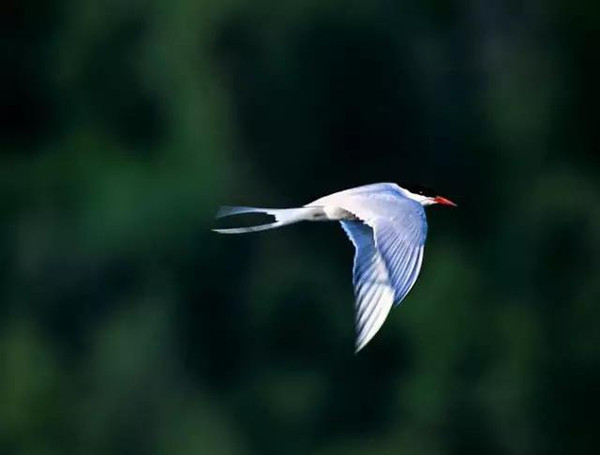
(417, 188)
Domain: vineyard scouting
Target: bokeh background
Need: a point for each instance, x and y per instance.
(127, 327)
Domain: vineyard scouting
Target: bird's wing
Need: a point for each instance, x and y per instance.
(359, 192)
(400, 242)
(399, 230)
(374, 293)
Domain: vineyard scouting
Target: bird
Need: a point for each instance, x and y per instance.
(387, 225)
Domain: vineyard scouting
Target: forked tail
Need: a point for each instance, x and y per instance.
(282, 217)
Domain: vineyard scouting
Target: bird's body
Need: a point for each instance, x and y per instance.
(388, 227)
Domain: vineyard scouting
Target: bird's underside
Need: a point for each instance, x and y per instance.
(388, 231)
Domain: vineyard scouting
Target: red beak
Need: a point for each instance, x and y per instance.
(443, 201)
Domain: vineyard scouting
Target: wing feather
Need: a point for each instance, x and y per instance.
(372, 288)
(389, 238)
(401, 247)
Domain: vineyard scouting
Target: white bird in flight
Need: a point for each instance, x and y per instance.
(387, 225)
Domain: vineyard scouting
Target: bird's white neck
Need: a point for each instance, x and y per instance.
(423, 200)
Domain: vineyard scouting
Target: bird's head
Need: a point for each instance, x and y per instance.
(424, 195)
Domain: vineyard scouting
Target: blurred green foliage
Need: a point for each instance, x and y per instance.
(126, 326)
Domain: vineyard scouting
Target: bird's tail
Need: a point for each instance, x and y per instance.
(282, 217)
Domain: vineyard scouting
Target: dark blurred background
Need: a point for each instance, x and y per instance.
(127, 327)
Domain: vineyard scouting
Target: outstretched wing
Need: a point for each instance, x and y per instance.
(399, 231)
(401, 242)
(389, 241)
(372, 288)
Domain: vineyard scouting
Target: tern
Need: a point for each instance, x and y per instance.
(387, 225)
